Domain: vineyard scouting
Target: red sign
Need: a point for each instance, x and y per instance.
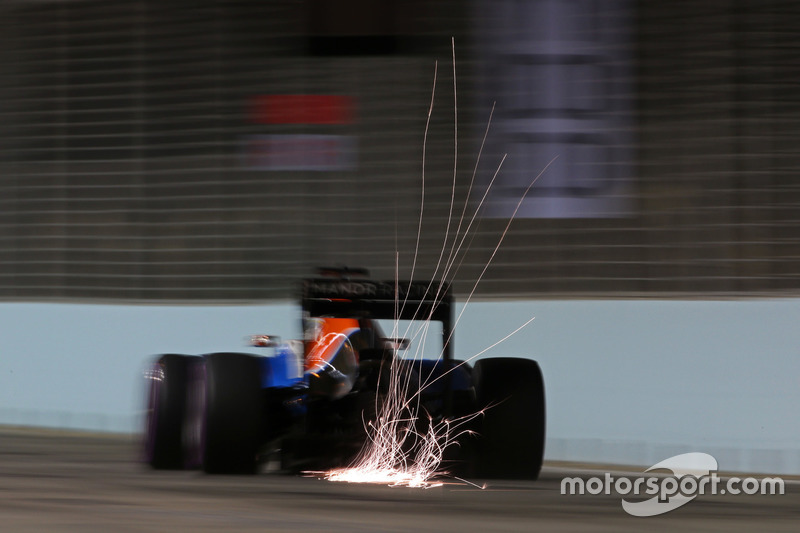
(301, 109)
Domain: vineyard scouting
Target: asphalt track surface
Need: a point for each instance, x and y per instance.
(55, 481)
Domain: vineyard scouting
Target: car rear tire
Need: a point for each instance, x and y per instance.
(168, 379)
(232, 414)
(512, 429)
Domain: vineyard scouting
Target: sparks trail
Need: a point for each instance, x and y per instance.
(405, 444)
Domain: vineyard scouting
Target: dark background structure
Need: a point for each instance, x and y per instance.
(124, 173)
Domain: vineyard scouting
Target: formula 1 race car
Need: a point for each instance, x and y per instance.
(309, 403)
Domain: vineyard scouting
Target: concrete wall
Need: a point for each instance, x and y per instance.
(629, 382)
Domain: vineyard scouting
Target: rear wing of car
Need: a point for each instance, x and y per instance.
(363, 298)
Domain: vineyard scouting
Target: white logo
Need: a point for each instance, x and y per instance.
(692, 474)
(697, 465)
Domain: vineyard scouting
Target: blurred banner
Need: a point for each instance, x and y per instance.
(562, 74)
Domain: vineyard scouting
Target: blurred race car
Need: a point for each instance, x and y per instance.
(307, 402)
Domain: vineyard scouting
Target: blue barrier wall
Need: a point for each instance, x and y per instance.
(628, 382)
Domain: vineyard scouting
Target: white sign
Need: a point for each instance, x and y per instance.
(562, 75)
(299, 152)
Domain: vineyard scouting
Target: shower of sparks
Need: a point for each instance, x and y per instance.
(397, 453)
(405, 446)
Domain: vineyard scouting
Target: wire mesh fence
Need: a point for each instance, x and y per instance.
(152, 151)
